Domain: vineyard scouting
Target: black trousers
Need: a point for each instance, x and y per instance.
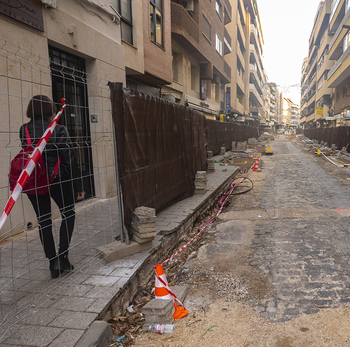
(63, 195)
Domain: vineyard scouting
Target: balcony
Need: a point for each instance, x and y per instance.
(337, 13)
(238, 107)
(336, 44)
(240, 55)
(228, 12)
(227, 42)
(254, 95)
(240, 82)
(183, 26)
(340, 70)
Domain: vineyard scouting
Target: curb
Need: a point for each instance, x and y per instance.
(99, 334)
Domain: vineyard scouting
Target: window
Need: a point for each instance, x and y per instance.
(218, 45)
(345, 91)
(123, 7)
(206, 29)
(218, 8)
(156, 21)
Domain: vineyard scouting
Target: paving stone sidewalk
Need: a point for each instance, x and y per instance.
(38, 311)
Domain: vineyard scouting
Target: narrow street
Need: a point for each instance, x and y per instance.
(274, 269)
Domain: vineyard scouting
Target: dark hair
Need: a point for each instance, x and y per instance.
(41, 106)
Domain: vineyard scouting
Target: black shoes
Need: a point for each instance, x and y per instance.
(54, 268)
(60, 264)
(65, 264)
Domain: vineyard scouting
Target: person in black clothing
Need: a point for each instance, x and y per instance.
(65, 187)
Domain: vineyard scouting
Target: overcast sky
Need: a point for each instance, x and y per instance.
(286, 27)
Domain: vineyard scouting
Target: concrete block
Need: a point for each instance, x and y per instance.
(157, 307)
(118, 250)
(143, 219)
(99, 334)
(156, 318)
(180, 291)
(143, 229)
(141, 240)
(145, 211)
(144, 235)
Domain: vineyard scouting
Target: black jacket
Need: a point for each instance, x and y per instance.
(59, 144)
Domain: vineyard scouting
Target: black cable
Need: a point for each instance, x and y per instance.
(246, 191)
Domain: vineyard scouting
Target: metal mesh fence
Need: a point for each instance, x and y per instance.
(25, 282)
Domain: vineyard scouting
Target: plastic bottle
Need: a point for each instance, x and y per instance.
(162, 328)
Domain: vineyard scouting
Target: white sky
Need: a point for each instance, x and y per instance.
(286, 27)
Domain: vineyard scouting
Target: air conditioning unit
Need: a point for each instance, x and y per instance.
(188, 5)
(49, 3)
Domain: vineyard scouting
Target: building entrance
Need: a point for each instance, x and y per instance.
(69, 82)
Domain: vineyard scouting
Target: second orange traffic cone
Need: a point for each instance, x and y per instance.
(256, 166)
(161, 292)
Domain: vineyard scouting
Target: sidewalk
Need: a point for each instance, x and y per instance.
(38, 311)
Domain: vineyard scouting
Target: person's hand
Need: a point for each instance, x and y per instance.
(81, 196)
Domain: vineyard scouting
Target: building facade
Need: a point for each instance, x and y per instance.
(339, 52)
(58, 48)
(316, 99)
(199, 44)
(247, 70)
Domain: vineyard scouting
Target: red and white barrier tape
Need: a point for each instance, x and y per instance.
(29, 167)
(211, 220)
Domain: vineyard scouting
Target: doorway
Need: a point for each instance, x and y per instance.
(68, 77)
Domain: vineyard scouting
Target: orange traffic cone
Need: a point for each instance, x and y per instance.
(251, 156)
(256, 166)
(161, 292)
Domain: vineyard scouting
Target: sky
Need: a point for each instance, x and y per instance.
(286, 27)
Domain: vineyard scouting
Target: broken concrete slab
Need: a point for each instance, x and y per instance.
(117, 250)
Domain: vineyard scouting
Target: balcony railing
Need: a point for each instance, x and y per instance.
(227, 42)
(334, 6)
(181, 21)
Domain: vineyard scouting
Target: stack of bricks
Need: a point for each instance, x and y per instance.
(143, 224)
(210, 165)
(209, 154)
(158, 311)
(200, 182)
(223, 151)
